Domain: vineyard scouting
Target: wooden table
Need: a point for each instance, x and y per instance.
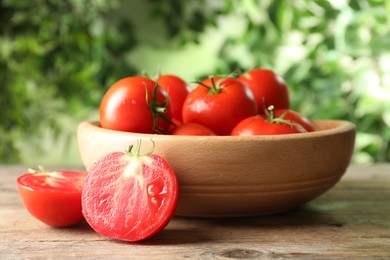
(350, 221)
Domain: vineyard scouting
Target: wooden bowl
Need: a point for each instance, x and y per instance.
(223, 176)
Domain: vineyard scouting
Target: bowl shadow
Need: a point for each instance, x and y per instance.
(188, 230)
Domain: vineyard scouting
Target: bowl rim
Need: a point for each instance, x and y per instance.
(331, 127)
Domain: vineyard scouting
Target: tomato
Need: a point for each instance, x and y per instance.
(175, 124)
(268, 88)
(54, 198)
(271, 125)
(128, 196)
(192, 129)
(296, 117)
(219, 104)
(135, 104)
(177, 90)
(257, 125)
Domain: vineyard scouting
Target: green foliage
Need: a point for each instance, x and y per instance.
(57, 58)
(333, 54)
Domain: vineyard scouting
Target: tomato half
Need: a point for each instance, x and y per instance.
(268, 88)
(219, 104)
(135, 104)
(177, 90)
(192, 129)
(128, 196)
(54, 198)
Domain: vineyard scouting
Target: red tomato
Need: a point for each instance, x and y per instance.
(267, 125)
(175, 124)
(296, 117)
(135, 104)
(219, 104)
(128, 196)
(177, 90)
(257, 125)
(54, 198)
(192, 129)
(268, 88)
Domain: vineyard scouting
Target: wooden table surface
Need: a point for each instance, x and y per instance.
(350, 221)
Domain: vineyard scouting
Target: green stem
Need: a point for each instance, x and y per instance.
(41, 169)
(271, 115)
(270, 112)
(157, 109)
(137, 147)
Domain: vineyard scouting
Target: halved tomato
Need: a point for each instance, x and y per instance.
(54, 197)
(129, 196)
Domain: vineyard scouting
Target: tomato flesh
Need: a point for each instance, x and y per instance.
(129, 198)
(53, 198)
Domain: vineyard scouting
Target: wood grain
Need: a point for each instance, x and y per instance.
(350, 221)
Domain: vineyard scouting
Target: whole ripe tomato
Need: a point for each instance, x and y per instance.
(268, 88)
(270, 125)
(177, 90)
(192, 129)
(294, 116)
(135, 104)
(54, 198)
(219, 104)
(129, 196)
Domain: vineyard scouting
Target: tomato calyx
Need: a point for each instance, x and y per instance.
(215, 87)
(158, 109)
(137, 152)
(272, 119)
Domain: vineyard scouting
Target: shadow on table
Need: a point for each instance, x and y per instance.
(185, 230)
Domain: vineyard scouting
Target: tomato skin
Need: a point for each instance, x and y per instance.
(129, 198)
(175, 124)
(193, 129)
(257, 125)
(58, 205)
(291, 115)
(219, 111)
(177, 90)
(124, 106)
(268, 88)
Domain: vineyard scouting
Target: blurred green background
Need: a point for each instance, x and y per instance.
(58, 57)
